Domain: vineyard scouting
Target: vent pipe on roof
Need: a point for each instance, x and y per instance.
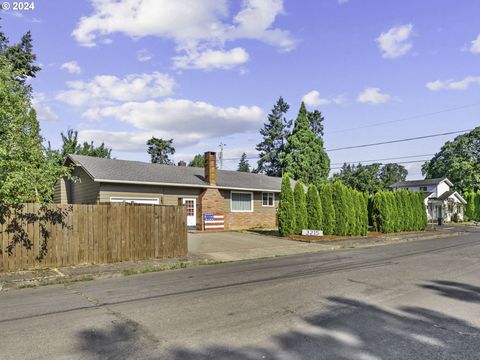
(211, 167)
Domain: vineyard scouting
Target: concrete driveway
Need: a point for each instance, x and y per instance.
(231, 246)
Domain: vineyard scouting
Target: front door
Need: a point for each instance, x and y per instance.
(190, 204)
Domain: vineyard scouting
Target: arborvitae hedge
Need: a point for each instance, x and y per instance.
(328, 210)
(401, 210)
(314, 209)
(286, 209)
(301, 216)
(476, 204)
(470, 207)
(340, 204)
(333, 208)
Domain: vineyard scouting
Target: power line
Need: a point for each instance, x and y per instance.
(373, 160)
(398, 140)
(399, 162)
(405, 118)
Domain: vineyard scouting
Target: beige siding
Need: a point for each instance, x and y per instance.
(83, 189)
(61, 191)
(166, 195)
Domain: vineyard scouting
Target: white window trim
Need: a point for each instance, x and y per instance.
(120, 199)
(241, 192)
(267, 192)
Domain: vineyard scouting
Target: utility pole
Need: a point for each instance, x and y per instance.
(221, 146)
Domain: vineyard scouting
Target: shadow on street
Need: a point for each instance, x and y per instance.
(349, 329)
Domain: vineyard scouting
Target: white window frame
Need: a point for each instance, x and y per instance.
(241, 192)
(135, 200)
(273, 198)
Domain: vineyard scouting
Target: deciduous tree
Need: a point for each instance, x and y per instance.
(459, 160)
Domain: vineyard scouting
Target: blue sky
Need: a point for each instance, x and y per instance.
(206, 71)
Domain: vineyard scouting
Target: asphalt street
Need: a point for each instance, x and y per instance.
(415, 300)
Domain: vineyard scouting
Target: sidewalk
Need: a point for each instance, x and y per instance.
(205, 249)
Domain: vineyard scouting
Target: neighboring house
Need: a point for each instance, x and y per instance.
(245, 200)
(440, 201)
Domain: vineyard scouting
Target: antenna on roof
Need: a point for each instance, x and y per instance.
(221, 146)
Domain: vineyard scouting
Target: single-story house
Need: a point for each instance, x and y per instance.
(242, 200)
(440, 201)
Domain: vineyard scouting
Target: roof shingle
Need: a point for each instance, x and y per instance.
(125, 171)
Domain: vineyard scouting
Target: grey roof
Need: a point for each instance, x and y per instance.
(446, 195)
(424, 182)
(426, 194)
(137, 172)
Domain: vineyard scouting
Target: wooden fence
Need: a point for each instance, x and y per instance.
(97, 234)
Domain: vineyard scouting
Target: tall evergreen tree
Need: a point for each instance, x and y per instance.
(274, 132)
(198, 161)
(315, 119)
(286, 208)
(243, 165)
(305, 157)
(71, 145)
(20, 57)
(314, 209)
(328, 210)
(159, 150)
(301, 216)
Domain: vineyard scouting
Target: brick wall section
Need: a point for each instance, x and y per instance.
(209, 201)
(261, 217)
(218, 202)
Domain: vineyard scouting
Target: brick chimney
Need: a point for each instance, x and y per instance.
(211, 167)
(182, 163)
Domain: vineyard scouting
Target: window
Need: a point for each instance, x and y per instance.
(241, 202)
(268, 199)
(151, 201)
(423, 188)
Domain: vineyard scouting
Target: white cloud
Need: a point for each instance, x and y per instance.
(144, 55)
(314, 99)
(72, 67)
(44, 111)
(186, 121)
(194, 25)
(475, 48)
(105, 89)
(183, 116)
(212, 59)
(373, 95)
(463, 84)
(395, 42)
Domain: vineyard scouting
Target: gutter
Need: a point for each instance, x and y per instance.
(109, 181)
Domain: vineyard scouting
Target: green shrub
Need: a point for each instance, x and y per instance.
(314, 209)
(286, 208)
(301, 216)
(328, 210)
(340, 204)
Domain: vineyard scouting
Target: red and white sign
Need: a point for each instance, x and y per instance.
(213, 222)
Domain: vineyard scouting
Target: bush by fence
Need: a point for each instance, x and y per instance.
(402, 210)
(90, 234)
